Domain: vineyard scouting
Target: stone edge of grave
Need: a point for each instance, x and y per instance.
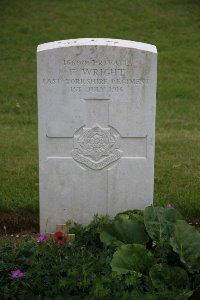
(97, 42)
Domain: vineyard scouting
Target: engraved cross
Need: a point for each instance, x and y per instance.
(97, 144)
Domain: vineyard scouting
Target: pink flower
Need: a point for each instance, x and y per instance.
(17, 274)
(170, 205)
(42, 237)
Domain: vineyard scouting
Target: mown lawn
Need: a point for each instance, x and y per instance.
(172, 25)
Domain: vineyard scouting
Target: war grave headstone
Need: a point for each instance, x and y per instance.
(96, 103)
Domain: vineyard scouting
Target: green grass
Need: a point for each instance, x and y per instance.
(172, 25)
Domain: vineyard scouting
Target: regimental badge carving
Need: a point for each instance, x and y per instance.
(96, 147)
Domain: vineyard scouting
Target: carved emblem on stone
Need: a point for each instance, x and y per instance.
(96, 147)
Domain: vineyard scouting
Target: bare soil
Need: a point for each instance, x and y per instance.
(11, 223)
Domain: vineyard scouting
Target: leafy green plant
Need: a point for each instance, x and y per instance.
(159, 222)
(169, 263)
(186, 243)
(124, 231)
(172, 282)
(133, 258)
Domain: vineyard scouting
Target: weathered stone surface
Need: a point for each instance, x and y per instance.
(97, 101)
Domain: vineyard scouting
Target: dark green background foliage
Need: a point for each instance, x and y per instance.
(172, 25)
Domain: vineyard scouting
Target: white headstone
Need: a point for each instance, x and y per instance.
(97, 102)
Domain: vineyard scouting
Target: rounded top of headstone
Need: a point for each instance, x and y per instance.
(97, 42)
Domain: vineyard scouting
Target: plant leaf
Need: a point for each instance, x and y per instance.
(132, 258)
(131, 214)
(124, 231)
(186, 242)
(164, 276)
(160, 222)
